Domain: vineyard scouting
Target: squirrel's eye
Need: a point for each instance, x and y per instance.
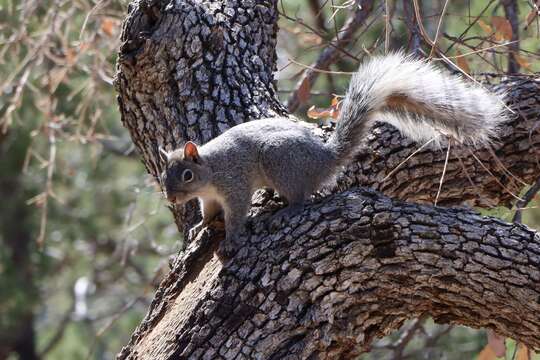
(187, 175)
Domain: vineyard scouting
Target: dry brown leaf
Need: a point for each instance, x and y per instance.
(332, 111)
(503, 28)
(311, 39)
(107, 26)
(319, 113)
(56, 76)
(296, 29)
(303, 91)
(71, 56)
(523, 352)
(497, 343)
(84, 46)
(522, 62)
(462, 62)
(336, 106)
(487, 353)
(487, 29)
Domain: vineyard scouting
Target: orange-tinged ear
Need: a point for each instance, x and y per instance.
(190, 151)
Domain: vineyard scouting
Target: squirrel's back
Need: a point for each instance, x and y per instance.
(254, 135)
(264, 149)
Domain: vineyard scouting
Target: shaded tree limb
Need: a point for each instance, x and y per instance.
(318, 14)
(511, 12)
(415, 37)
(58, 334)
(18, 282)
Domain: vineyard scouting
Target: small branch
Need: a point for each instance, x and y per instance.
(511, 12)
(466, 31)
(527, 198)
(330, 54)
(64, 322)
(48, 184)
(415, 37)
(388, 14)
(443, 173)
(443, 12)
(318, 14)
(407, 336)
(319, 34)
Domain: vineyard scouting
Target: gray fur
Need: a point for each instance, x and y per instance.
(288, 157)
(460, 109)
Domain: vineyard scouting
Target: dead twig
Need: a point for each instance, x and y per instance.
(329, 55)
(527, 198)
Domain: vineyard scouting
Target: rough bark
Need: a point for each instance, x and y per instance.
(352, 266)
(346, 270)
(501, 173)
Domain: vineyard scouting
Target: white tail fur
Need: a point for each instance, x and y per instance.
(420, 100)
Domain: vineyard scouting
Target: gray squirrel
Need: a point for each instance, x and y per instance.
(411, 94)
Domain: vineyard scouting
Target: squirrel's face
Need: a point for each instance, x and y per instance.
(185, 176)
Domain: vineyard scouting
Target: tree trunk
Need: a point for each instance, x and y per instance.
(354, 265)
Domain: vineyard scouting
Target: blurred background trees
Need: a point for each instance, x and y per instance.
(85, 234)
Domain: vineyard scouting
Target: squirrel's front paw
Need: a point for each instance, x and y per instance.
(227, 248)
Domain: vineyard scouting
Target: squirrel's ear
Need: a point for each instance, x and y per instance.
(164, 155)
(190, 151)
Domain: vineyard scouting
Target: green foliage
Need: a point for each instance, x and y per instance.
(72, 181)
(84, 232)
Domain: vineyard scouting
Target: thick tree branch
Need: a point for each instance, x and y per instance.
(348, 269)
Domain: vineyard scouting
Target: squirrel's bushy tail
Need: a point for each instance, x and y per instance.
(419, 99)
